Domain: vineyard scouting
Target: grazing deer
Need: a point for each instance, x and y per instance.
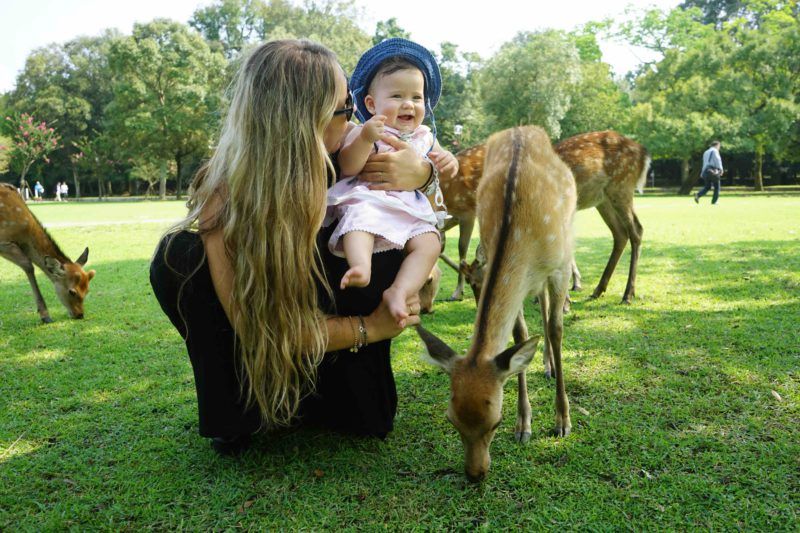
(526, 206)
(24, 242)
(428, 291)
(608, 167)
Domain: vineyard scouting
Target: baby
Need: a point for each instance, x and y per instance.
(395, 84)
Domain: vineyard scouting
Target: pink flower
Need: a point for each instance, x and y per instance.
(51, 130)
(30, 119)
(25, 134)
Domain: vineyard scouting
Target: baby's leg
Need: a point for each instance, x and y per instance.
(423, 251)
(358, 247)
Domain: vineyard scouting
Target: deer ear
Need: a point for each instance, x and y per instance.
(91, 274)
(83, 258)
(53, 266)
(515, 359)
(436, 351)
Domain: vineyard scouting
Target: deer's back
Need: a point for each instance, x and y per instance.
(16, 220)
(540, 206)
(604, 164)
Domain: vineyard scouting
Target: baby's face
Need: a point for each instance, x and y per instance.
(400, 96)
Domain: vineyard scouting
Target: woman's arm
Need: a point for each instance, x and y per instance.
(380, 325)
(219, 264)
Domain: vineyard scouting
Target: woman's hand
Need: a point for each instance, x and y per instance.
(402, 170)
(381, 325)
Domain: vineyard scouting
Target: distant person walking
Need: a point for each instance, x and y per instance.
(38, 191)
(711, 173)
(64, 191)
(58, 191)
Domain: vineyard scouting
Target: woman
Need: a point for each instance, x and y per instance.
(241, 278)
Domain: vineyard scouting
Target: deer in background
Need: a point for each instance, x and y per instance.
(24, 242)
(526, 206)
(459, 197)
(607, 167)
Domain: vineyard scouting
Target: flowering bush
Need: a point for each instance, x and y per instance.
(31, 141)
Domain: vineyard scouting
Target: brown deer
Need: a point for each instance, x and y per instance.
(608, 167)
(24, 242)
(428, 291)
(459, 197)
(526, 206)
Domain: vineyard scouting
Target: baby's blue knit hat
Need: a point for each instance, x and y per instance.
(417, 55)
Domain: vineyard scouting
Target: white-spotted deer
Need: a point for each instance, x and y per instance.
(24, 242)
(607, 167)
(526, 206)
(459, 197)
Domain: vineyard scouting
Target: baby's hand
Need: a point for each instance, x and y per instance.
(372, 129)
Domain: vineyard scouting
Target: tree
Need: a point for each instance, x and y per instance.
(68, 85)
(531, 80)
(387, 29)
(460, 102)
(597, 101)
(716, 12)
(167, 89)
(32, 141)
(232, 25)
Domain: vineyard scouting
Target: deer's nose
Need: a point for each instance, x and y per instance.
(79, 315)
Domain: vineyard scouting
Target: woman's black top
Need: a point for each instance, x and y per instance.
(355, 392)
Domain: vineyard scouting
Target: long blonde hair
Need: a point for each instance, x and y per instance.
(270, 172)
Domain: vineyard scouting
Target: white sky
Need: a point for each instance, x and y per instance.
(29, 24)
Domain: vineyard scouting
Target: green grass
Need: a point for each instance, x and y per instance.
(675, 424)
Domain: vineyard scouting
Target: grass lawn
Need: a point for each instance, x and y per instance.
(684, 405)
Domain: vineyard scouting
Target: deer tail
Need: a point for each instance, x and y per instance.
(643, 176)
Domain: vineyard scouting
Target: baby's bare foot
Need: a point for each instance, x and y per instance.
(357, 276)
(396, 302)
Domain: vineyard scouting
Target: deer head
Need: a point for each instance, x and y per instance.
(476, 400)
(70, 281)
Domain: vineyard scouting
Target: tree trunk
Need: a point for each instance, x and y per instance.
(99, 188)
(759, 182)
(179, 178)
(76, 182)
(688, 178)
(162, 186)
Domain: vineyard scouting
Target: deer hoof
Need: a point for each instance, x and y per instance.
(455, 297)
(46, 320)
(626, 301)
(522, 437)
(562, 431)
(577, 287)
(548, 373)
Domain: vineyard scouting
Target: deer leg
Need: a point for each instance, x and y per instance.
(554, 332)
(634, 228)
(465, 227)
(576, 276)
(522, 430)
(547, 353)
(620, 240)
(14, 253)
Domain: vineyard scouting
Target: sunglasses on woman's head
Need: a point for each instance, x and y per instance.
(347, 110)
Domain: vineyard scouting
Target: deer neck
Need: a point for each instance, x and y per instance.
(38, 244)
(506, 283)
